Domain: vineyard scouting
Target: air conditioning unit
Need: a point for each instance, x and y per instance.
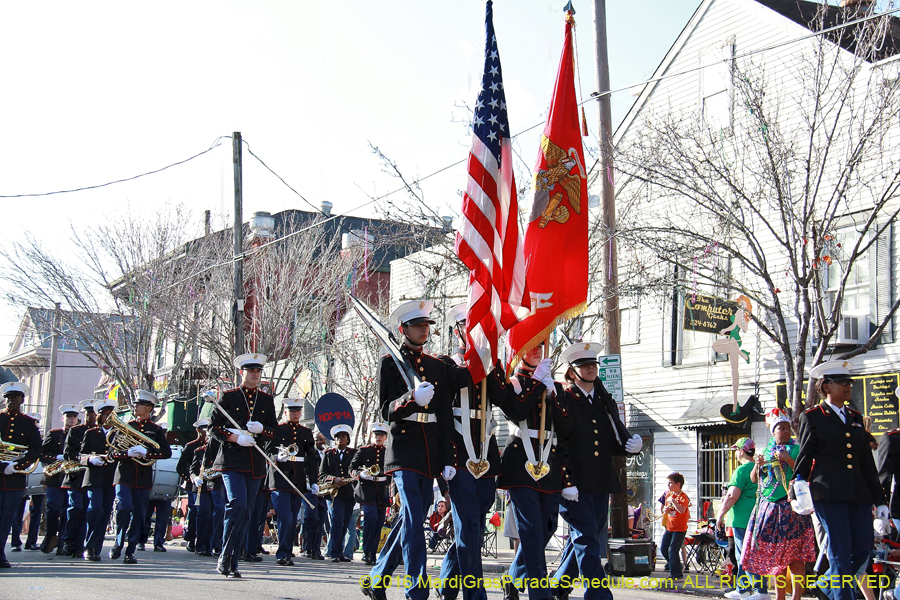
(854, 329)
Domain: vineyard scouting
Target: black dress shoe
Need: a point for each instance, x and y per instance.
(251, 558)
(129, 559)
(204, 553)
(285, 562)
(224, 565)
(91, 556)
(264, 551)
(343, 559)
(141, 547)
(4, 564)
(115, 552)
(375, 593)
(510, 591)
(63, 551)
(17, 548)
(319, 557)
(191, 547)
(335, 560)
(236, 574)
(159, 548)
(33, 547)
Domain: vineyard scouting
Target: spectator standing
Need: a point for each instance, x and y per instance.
(676, 511)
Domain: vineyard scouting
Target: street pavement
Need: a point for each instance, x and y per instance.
(178, 574)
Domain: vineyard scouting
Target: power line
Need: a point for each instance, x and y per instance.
(215, 144)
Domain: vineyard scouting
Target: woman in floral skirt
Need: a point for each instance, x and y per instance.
(777, 537)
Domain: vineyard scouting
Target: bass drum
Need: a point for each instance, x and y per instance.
(33, 485)
(165, 478)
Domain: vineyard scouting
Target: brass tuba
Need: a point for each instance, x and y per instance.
(123, 436)
(10, 452)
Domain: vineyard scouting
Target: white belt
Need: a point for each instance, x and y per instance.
(473, 414)
(383, 478)
(421, 417)
(534, 433)
(295, 459)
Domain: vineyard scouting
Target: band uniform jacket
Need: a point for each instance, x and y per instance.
(595, 435)
(95, 443)
(459, 380)
(888, 461)
(183, 468)
(19, 429)
(202, 460)
(51, 447)
(416, 443)
(333, 465)
(302, 472)
(243, 405)
(377, 490)
(524, 403)
(128, 471)
(72, 451)
(835, 457)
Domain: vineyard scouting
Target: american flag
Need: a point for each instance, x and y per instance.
(488, 241)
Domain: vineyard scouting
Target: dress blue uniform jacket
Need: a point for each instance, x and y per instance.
(836, 459)
(595, 435)
(418, 446)
(333, 466)
(302, 474)
(95, 443)
(71, 451)
(526, 405)
(243, 405)
(132, 474)
(52, 446)
(203, 459)
(371, 492)
(19, 429)
(183, 468)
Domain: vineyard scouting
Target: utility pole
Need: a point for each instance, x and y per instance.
(238, 309)
(51, 392)
(618, 513)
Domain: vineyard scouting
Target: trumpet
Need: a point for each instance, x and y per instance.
(62, 466)
(289, 453)
(123, 436)
(10, 452)
(373, 471)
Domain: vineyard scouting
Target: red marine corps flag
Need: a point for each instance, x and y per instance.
(488, 241)
(556, 237)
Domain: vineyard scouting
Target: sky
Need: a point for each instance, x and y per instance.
(100, 91)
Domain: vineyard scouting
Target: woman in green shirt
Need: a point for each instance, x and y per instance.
(777, 537)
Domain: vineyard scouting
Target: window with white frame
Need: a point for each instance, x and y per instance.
(716, 85)
(629, 324)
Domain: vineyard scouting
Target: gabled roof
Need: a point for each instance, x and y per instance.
(800, 12)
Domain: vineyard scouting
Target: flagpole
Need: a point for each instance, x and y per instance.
(609, 262)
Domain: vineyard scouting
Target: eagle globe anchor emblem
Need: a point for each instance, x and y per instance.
(548, 208)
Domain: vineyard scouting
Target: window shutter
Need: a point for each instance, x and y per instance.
(883, 290)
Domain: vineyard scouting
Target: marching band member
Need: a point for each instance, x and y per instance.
(844, 482)
(314, 516)
(57, 498)
(210, 496)
(472, 494)
(595, 434)
(20, 429)
(242, 466)
(183, 468)
(372, 489)
(419, 448)
(335, 470)
(295, 453)
(76, 524)
(134, 481)
(98, 480)
(530, 471)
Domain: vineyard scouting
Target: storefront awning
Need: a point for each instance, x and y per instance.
(702, 412)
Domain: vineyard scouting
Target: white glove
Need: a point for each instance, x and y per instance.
(244, 440)
(254, 427)
(882, 526)
(571, 494)
(10, 468)
(197, 480)
(282, 457)
(543, 370)
(315, 488)
(449, 472)
(634, 444)
(881, 512)
(423, 393)
(365, 475)
(96, 461)
(137, 451)
(59, 457)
